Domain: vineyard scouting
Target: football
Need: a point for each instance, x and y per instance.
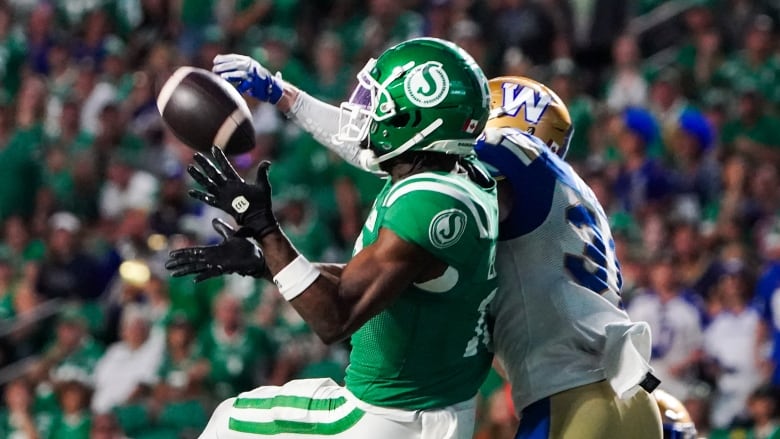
(202, 110)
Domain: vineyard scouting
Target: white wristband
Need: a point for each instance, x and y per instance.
(296, 277)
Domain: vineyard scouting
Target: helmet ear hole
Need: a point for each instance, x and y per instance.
(400, 120)
(531, 130)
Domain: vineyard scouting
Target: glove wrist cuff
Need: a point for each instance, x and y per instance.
(258, 231)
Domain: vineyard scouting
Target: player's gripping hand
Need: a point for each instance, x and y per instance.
(248, 76)
(233, 255)
(248, 203)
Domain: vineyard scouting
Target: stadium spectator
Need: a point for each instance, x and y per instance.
(768, 290)
(105, 426)
(94, 94)
(753, 131)
(439, 17)
(67, 271)
(18, 419)
(756, 65)
(524, 24)
(91, 46)
(179, 389)
(73, 355)
(240, 356)
(128, 367)
(695, 173)
(19, 244)
(762, 406)
(387, 24)
(73, 419)
(692, 259)
(701, 54)
(468, 35)
(126, 187)
(627, 86)
(642, 184)
(14, 43)
(172, 204)
(731, 347)
(333, 78)
(666, 101)
(40, 37)
(20, 168)
(564, 80)
(182, 371)
(676, 329)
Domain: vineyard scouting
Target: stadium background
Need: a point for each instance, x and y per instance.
(675, 108)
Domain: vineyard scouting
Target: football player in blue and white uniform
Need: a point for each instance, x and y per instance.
(577, 364)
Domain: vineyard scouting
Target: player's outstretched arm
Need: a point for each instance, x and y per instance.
(336, 306)
(334, 303)
(314, 116)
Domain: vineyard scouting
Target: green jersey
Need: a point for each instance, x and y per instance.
(427, 349)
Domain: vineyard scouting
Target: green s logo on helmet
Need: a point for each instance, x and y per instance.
(427, 85)
(424, 94)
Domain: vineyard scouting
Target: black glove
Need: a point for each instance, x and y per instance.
(250, 204)
(233, 255)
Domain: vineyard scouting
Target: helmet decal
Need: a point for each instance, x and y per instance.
(516, 96)
(427, 85)
(531, 107)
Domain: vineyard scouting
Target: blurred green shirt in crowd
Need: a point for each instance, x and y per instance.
(737, 73)
(196, 13)
(193, 300)
(581, 112)
(235, 363)
(13, 52)
(70, 426)
(20, 172)
(764, 131)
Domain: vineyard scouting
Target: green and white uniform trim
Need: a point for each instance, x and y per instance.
(320, 409)
(340, 417)
(427, 349)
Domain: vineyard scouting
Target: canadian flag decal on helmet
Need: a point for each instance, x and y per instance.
(470, 126)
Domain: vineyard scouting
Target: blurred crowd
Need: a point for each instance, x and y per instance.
(675, 106)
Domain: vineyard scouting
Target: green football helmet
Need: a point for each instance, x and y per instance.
(424, 94)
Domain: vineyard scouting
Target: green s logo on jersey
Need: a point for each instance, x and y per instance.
(447, 227)
(427, 84)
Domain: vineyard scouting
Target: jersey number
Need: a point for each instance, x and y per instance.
(481, 331)
(589, 268)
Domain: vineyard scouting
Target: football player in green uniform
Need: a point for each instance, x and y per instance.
(414, 296)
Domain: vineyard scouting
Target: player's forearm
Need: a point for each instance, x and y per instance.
(320, 304)
(321, 120)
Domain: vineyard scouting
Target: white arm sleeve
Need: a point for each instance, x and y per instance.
(321, 120)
